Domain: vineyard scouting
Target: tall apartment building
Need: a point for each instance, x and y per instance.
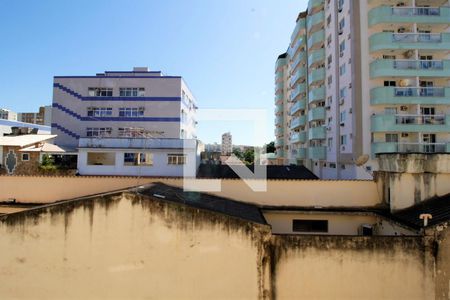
(42, 117)
(227, 144)
(136, 122)
(367, 77)
(6, 114)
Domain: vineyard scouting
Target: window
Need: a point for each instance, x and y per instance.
(310, 225)
(100, 92)
(131, 111)
(176, 159)
(343, 139)
(138, 159)
(98, 131)
(341, 25)
(388, 56)
(343, 92)
(329, 60)
(342, 46)
(389, 83)
(131, 131)
(25, 156)
(99, 111)
(330, 80)
(342, 116)
(132, 92)
(333, 165)
(328, 20)
(340, 5)
(330, 143)
(329, 40)
(342, 70)
(391, 138)
(101, 158)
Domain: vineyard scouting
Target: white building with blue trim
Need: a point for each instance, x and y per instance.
(115, 117)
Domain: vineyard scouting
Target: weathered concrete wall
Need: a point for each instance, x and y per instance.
(128, 247)
(279, 192)
(327, 267)
(443, 264)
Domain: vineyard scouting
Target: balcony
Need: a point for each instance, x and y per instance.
(410, 123)
(409, 68)
(279, 131)
(279, 109)
(297, 45)
(317, 133)
(410, 95)
(410, 148)
(300, 73)
(298, 122)
(316, 94)
(317, 113)
(424, 15)
(301, 24)
(298, 59)
(299, 90)
(299, 105)
(316, 76)
(280, 63)
(315, 22)
(301, 153)
(317, 153)
(299, 137)
(279, 98)
(279, 142)
(279, 121)
(316, 40)
(405, 41)
(316, 57)
(278, 76)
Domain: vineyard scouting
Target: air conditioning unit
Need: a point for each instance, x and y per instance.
(403, 108)
(327, 107)
(405, 134)
(341, 54)
(350, 110)
(365, 229)
(341, 101)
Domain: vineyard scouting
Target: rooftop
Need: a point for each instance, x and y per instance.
(24, 140)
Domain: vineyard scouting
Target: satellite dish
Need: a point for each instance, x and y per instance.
(362, 160)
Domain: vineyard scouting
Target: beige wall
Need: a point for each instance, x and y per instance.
(126, 248)
(279, 192)
(443, 264)
(319, 267)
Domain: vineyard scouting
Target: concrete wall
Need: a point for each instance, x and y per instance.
(443, 264)
(279, 192)
(126, 246)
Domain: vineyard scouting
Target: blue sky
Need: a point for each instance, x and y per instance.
(225, 49)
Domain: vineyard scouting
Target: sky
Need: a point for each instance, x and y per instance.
(224, 49)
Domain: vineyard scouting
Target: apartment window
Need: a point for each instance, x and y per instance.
(343, 139)
(389, 83)
(100, 92)
(138, 159)
(329, 40)
(333, 165)
(176, 159)
(341, 25)
(342, 70)
(25, 156)
(342, 46)
(342, 116)
(131, 112)
(391, 138)
(131, 132)
(340, 5)
(388, 56)
(329, 20)
(99, 111)
(98, 131)
(132, 92)
(330, 143)
(101, 158)
(330, 80)
(329, 60)
(343, 92)
(310, 225)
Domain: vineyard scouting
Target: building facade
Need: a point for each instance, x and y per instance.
(227, 144)
(6, 114)
(367, 77)
(43, 117)
(139, 118)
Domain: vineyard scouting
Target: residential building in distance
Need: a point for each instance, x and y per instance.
(366, 77)
(227, 144)
(6, 114)
(43, 117)
(136, 122)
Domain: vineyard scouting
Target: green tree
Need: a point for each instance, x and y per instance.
(270, 147)
(47, 163)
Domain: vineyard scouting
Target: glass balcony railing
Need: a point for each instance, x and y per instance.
(317, 133)
(298, 59)
(316, 94)
(298, 137)
(299, 105)
(279, 120)
(315, 22)
(410, 95)
(400, 41)
(410, 123)
(298, 90)
(279, 131)
(409, 68)
(317, 153)
(301, 153)
(316, 40)
(316, 57)
(316, 76)
(280, 63)
(300, 73)
(392, 147)
(424, 15)
(300, 25)
(317, 113)
(298, 122)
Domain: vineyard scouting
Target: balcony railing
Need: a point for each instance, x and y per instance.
(410, 123)
(393, 147)
(416, 11)
(420, 119)
(417, 37)
(407, 67)
(418, 64)
(424, 15)
(419, 92)
(409, 95)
